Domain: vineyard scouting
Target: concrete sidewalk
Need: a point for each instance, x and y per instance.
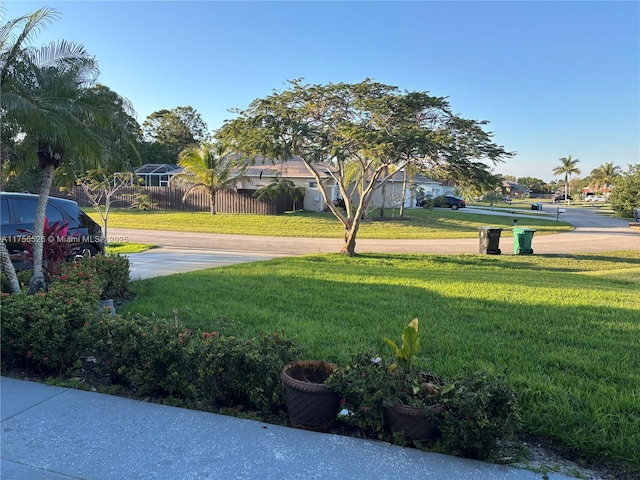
(56, 433)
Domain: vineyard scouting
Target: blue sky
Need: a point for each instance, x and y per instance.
(552, 78)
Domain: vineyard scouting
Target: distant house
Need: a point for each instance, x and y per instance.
(431, 187)
(417, 188)
(596, 189)
(264, 171)
(515, 190)
(157, 174)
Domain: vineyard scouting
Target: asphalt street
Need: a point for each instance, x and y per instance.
(185, 251)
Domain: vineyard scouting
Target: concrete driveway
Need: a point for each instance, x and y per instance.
(184, 251)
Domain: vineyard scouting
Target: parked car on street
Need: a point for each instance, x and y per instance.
(596, 198)
(18, 212)
(449, 201)
(561, 197)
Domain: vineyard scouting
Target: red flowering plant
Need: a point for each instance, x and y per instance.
(57, 247)
(42, 331)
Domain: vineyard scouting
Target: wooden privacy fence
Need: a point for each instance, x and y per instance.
(170, 198)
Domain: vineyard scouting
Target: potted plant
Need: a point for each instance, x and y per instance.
(392, 393)
(466, 416)
(311, 405)
(414, 400)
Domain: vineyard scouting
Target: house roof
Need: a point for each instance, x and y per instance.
(515, 186)
(292, 168)
(158, 169)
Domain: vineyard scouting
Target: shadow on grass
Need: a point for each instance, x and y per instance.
(561, 263)
(575, 366)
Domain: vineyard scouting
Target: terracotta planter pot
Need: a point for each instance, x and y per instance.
(416, 423)
(310, 403)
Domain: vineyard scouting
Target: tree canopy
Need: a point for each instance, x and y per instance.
(626, 194)
(166, 133)
(605, 175)
(567, 167)
(357, 136)
(54, 112)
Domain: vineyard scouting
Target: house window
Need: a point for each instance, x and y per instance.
(313, 184)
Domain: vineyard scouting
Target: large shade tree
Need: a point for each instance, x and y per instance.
(358, 135)
(567, 167)
(166, 133)
(56, 111)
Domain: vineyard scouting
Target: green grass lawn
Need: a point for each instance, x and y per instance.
(419, 224)
(565, 329)
(120, 248)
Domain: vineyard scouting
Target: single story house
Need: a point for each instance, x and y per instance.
(417, 188)
(263, 171)
(515, 190)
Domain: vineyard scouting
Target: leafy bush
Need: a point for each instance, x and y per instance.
(473, 412)
(115, 272)
(364, 386)
(23, 279)
(154, 357)
(109, 272)
(246, 372)
(479, 411)
(626, 194)
(41, 331)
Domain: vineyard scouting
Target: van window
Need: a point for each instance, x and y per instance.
(4, 214)
(25, 210)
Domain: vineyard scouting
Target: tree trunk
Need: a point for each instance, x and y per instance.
(404, 192)
(383, 192)
(212, 203)
(349, 247)
(8, 268)
(38, 282)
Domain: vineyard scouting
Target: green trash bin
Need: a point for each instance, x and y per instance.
(490, 240)
(522, 238)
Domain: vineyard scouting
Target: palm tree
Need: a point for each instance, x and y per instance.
(605, 175)
(567, 168)
(207, 169)
(49, 97)
(280, 187)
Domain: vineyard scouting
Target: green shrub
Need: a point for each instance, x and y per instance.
(23, 279)
(156, 358)
(115, 272)
(153, 357)
(479, 411)
(41, 331)
(364, 386)
(111, 273)
(234, 371)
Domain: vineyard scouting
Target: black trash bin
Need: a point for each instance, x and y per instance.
(490, 240)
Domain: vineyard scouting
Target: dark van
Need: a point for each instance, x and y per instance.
(18, 211)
